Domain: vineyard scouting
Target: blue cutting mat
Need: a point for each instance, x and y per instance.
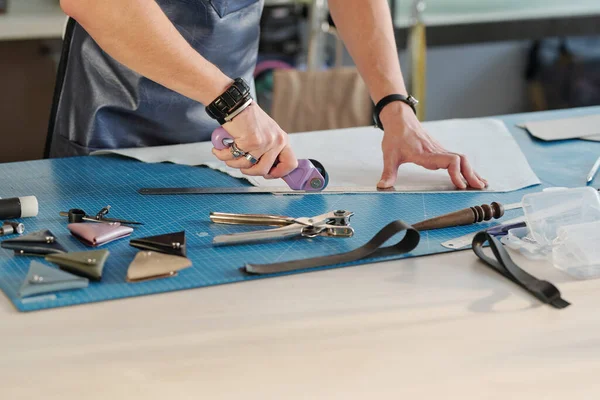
(93, 182)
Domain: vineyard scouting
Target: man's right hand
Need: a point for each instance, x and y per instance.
(255, 132)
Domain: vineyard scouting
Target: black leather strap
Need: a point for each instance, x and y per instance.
(372, 249)
(411, 101)
(505, 266)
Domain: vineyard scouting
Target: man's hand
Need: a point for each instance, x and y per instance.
(256, 133)
(405, 141)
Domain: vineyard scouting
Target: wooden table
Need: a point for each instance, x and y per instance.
(432, 327)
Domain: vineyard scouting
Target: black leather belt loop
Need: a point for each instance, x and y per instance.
(371, 249)
(505, 266)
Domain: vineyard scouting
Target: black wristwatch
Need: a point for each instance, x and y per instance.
(410, 100)
(232, 102)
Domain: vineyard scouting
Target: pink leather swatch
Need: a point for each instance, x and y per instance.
(98, 233)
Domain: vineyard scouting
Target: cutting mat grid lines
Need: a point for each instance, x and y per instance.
(91, 183)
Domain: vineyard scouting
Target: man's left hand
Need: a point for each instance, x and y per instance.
(405, 141)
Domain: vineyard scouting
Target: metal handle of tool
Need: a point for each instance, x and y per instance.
(259, 236)
(309, 175)
(250, 219)
(333, 224)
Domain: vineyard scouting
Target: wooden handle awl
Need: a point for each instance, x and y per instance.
(466, 216)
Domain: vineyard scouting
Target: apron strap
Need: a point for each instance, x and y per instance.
(60, 79)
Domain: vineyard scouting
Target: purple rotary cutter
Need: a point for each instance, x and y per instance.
(309, 176)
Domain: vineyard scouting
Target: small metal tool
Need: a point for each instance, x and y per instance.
(496, 230)
(513, 206)
(332, 224)
(593, 172)
(76, 215)
(10, 228)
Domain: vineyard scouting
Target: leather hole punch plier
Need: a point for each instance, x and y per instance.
(332, 224)
(76, 215)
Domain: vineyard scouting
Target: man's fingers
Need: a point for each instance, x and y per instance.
(485, 182)
(286, 163)
(450, 162)
(390, 172)
(265, 164)
(468, 173)
(241, 163)
(223, 155)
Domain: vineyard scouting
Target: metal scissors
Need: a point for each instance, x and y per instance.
(332, 224)
(77, 215)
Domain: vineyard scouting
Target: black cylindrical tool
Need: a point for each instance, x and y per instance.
(18, 207)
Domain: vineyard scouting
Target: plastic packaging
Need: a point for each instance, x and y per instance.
(519, 239)
(547, 211)
(576, 250)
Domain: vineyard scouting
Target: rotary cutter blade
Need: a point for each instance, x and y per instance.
(321, 169)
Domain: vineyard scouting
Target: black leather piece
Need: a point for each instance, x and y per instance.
(544, 291)
(102, 104)
(35, 244)
(371, 249)
(170, 243)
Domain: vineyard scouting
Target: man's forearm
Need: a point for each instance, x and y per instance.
(140, 36)
(367, 31)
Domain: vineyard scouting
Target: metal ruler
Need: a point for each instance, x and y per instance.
(270, 190)
(466, 240)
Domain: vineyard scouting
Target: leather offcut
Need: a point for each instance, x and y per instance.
(149, 265)
(169, 243)
(371, 249)
(37, 243)
(42, 279)
(544, 291)
(88, 264)
(98, 233)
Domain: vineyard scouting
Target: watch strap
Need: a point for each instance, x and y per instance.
(235, 98)
(409, 100)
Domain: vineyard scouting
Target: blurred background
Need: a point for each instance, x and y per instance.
(461, 58)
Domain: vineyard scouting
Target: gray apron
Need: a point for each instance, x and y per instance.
(101, 104)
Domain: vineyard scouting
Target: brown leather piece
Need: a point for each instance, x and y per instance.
(148, 265)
